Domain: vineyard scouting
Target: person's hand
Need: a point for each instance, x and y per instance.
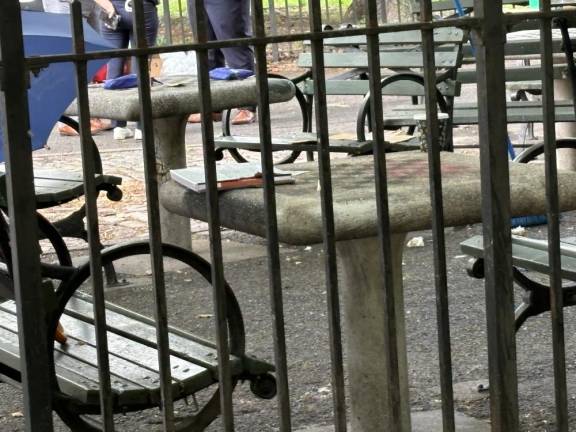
(110, 19)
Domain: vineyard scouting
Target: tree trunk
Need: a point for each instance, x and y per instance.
(388, 11)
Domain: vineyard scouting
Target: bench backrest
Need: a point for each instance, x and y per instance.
(443, 35)
(388, 59)
(447, 7)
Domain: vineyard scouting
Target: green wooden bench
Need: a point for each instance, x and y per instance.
(446, 9)
(530, 255)
(402, 54)
(132, 340)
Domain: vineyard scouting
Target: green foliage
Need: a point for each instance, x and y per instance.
(177, 5)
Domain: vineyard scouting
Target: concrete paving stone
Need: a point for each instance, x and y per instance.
(427, 421)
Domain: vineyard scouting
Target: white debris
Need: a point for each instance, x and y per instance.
(308, 248)
(17, 414)
(519, 231)
(205, 316)
(318, 187)
(415, 242)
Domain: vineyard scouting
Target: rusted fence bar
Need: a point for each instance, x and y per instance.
(329, 238)
(269, 198)
(153, 207)
(395, 379)
(439, 242)
(496, 217)
(553, 217)
(89, 171)
(31, 299)
(213, 211)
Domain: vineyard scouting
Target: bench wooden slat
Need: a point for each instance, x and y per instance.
(135, 363)
(361, 87)
(253, 143)
(530, 254)
(392, 60)
(56, 186)
(467, 114)
(76, 378)
(183, 345)
(448, 5)
(524, 73)
(442, 35)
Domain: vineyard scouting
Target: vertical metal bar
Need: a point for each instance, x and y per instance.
(289, 29)
(329, 237)
(383, 11)
(31, 304)
(496, 216)
(167, 21)
(439, 245)
(91, 194)
(340, 11)
(556, 296)
(327, 11)
(300, 16)
(213, 212)
(272, 244)
(273, 28)
(155, 235)
(392, 382)
(182, 27)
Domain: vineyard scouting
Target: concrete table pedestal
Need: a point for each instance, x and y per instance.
(362, 297)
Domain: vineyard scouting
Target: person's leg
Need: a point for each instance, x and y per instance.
(215, 56)
(151, 28)
(231, 20)
(118, 38)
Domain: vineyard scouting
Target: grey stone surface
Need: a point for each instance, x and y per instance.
(168, 101)
(364, 323)
(299, 211)
(427, 421)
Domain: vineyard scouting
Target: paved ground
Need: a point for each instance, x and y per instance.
(305, 308)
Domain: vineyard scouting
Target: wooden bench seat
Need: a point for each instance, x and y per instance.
(54, 187)
(133, 356)
(308, 143)
(467, 113)
(532, 255)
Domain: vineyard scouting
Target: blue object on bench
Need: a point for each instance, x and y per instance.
(226, 73)
(122, 82)
(50, 34)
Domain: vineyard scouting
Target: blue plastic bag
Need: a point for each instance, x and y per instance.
(225, 73)
(123, 82)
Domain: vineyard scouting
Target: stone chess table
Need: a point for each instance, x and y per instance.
(172, 103)
(356, 225)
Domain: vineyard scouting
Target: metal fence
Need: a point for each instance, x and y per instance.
(290, 17)
(35, 324)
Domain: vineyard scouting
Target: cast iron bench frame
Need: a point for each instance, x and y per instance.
(532, 255)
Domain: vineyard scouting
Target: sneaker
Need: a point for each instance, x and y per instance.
(122, 133)
(138, 134)
(244, 116)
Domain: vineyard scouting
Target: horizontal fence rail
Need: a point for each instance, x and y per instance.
(365, 307)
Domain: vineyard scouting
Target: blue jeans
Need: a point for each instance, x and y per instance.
(124, 34)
